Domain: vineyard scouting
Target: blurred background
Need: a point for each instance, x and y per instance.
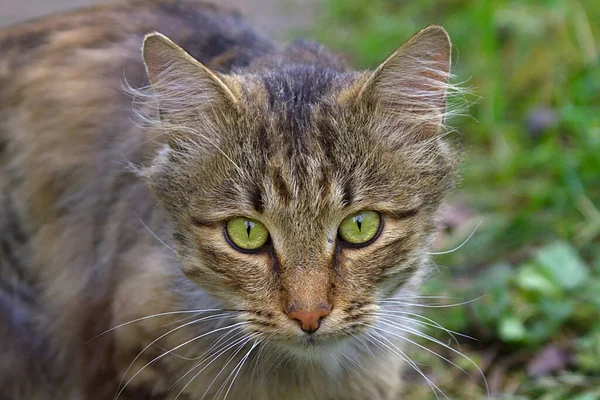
(529, 277)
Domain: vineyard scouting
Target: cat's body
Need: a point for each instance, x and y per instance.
(85, 245)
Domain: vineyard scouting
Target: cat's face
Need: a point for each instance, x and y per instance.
(304, 196)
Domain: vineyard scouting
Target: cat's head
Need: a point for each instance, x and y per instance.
(303, 195)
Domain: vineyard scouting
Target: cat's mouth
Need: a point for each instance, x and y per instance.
(311, 342)
(313, 348)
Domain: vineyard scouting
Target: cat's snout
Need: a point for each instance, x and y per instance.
(309, 321)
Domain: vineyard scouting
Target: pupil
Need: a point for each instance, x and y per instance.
(359, 219)
(249, 226)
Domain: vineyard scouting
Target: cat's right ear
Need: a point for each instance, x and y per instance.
(410, 87)
(184, 87)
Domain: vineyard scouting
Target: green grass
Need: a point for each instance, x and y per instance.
(531, 174)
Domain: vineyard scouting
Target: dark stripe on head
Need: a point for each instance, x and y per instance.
(403, 214)
(282, 188)
(297, 86)
(198, 221)
(293, 91)
(348, 195)
(327, 137)
(275, 261)
(325, 183)
(257, 200)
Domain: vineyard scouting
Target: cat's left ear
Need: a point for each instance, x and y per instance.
(410, 87)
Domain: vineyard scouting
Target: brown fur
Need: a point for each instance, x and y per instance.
(105, 220)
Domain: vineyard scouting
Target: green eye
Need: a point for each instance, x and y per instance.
(361, 227)
(246, 233)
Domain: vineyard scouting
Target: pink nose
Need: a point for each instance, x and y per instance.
(309, 320)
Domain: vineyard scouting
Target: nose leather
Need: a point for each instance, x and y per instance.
(309, 321)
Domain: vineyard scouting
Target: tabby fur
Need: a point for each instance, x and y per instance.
(113, 204)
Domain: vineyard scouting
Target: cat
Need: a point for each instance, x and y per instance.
(216, 217)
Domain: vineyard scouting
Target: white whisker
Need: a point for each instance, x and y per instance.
(154, 234)
(173, 349)
(431, 323)
(239, 368)
(273, 366)
(182, 320)
(421, 324)
(406, 359)
(340, 362)
(256, 360)
(401, 303)
(354, 362)
(208, 351)
(216, 344)
(435, 253)
(154, 316)
(211, 357)
(231, 357)
(400, 327)
(434, 340)
(414, 296)
(364, 342)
